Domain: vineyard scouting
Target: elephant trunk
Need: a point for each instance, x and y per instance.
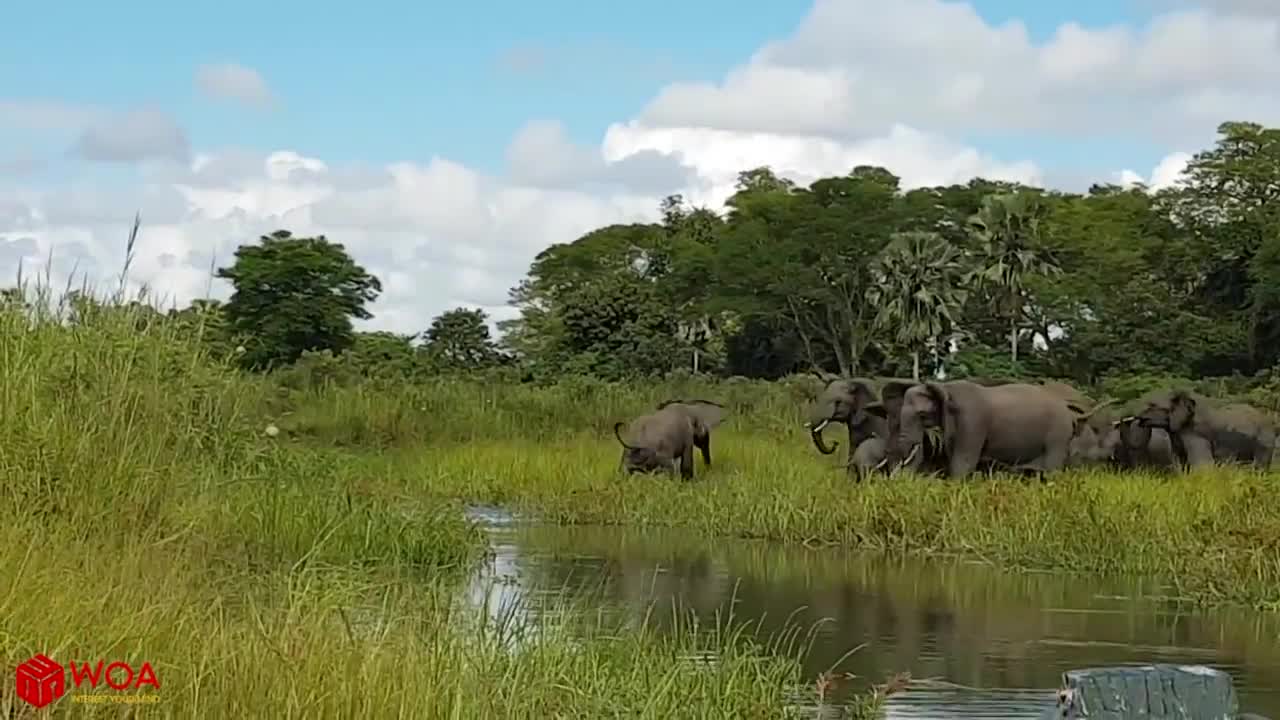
(909, 450)
(815, 433)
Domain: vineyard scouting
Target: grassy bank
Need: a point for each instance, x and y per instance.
(1214, 536)
(146, 516)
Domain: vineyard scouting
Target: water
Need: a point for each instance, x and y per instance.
(978, 642)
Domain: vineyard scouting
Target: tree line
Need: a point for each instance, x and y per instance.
(851, 274)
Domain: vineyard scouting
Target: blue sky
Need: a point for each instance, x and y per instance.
(379, 82)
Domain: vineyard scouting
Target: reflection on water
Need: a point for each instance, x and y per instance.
(988, 644)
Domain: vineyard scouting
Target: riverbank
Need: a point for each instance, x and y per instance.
(1212, 536)
(150, 515)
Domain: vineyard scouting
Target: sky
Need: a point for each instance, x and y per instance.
(445, 145)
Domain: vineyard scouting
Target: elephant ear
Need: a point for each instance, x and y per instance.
(891, 396)
(949, 411)
(863, 395)
(1182, 408)
(709, 413)
(877, 409)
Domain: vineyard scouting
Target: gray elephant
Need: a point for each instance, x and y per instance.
(926, 458)
(870, 422)
(1202, 431)
(1128, 444)
(1089, 428)
(845, 402)
(870, 457)
(668, 436)
(1015, 425)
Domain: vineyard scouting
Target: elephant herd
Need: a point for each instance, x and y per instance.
(954, 428)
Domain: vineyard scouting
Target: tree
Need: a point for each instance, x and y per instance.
(459, 339)
(917, 291)
(802, 257)
(294, 294)
(1011, 250)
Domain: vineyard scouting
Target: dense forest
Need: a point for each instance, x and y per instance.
(851, 274)
(854, 275)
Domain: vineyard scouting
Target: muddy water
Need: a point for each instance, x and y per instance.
(978, 642)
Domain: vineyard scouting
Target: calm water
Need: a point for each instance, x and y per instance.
(978, 643)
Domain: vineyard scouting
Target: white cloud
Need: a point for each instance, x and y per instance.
(1165, 174)
(859, 66)
(230, 81)
(439, 234)
(859, 82)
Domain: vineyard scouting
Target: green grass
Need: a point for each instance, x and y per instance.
(145, 515)
(1213, 535)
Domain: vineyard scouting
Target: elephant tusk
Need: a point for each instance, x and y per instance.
(911, 455)
(882, 463)
(818, 428)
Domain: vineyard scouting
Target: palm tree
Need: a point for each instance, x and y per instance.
(1010, 251)
(918, 287)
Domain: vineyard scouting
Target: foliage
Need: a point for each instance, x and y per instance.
(295, 294)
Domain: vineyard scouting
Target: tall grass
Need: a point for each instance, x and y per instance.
(145, 515)
(1212, 535)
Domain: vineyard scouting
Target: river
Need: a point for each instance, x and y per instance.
(978, 642)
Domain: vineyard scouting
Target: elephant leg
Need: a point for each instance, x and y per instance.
(1199, 453)
(686, 462)
(704, 446)
(1263, 455)
(1054, 458)
(964, 460)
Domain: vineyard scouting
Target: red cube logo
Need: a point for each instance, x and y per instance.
(41, 681)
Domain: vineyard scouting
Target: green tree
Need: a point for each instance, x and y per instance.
(603, 305)
(1011, 249)
(917, 291)
(1229, 203)
(294, 294)
(459, 339)
(802, 256)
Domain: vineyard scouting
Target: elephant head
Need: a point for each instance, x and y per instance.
(841, 401)
(1170, 410)
(923, 407)
(1090, 434)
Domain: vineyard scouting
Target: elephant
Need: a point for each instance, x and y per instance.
(1089, 428)
(869, 457)
(668, 436)
(1130, 445)
(1016, 425)
(870, 422)
(845, 401)
(925, 458)
(1202, 432)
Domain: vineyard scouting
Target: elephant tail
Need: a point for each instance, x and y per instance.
(617, 432)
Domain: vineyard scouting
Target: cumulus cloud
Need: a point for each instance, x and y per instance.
(1168, 172)
(134, 136)
(230, 81)
(858, 66)
(543, 156)
(859, 82)
(438, 234)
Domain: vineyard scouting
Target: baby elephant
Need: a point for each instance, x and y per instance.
(661, 439)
